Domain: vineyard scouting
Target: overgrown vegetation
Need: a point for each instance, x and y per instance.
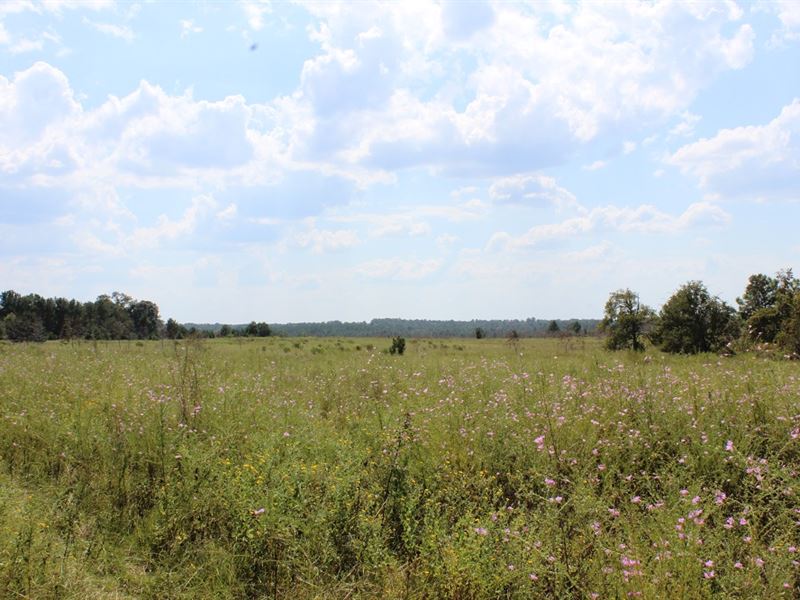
(694, 321)
(264, 468)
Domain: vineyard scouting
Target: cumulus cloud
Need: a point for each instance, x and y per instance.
(545, 82)
(788, 13)
(167, 229)
(254, 11)
(756, 161)
(641, 219)
(527, 189)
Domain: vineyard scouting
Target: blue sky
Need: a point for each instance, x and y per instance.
(238, 161)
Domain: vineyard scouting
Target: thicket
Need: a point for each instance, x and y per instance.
(694, 321)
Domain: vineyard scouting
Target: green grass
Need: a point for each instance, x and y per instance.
(329, 469)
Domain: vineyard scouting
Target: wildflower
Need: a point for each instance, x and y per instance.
(738, 565)
(708, 563)
(709, 574)
(549, 482)
(759, 562)
(720, 497)
(636, 499)
(696, 500)
(533, 577)
(684, 492)
(481, 531)
(729, 446)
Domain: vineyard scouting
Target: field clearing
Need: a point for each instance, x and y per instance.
(324, 468)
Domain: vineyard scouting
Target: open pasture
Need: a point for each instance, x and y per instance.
(309, 468)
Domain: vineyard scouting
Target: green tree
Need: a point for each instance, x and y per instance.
(24, 328)
(174, 330)
(789, 335)
(626, 321)
(225, 331)
(576, 327)
(479, 333)
(693, 321)
(767, 305)
(553, 328)
(759, 294)
(145, 319)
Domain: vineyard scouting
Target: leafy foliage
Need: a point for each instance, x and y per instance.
(257, 330)
(626, 321)
(116, 317)
(759, 294)
(398, 345)
(693, 321)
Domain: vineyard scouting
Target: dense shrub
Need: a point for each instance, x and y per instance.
(693, 321)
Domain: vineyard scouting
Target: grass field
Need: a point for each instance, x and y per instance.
(305, 468)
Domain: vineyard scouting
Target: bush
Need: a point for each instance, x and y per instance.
(398, 345)
(693, 321)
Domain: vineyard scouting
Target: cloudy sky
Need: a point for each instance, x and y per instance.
(320, 160)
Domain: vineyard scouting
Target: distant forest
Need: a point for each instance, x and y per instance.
(118, 316)
(420, 328)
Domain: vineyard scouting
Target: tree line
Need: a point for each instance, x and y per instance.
(693, 321)
(390, 327)
(32, 318)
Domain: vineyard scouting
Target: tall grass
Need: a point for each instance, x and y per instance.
(330, 469)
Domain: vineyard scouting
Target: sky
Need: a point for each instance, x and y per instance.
(308, 161)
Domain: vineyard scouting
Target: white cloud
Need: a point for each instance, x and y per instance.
(628, 147)
(526, 189)
(686, 127)
(641, 219)
(398, 268)
(596, 165)
(788, 13)
(546, 80)
(122, 32)
(757, 161)
(254, 11)
(23, 45)
(322, 240)
(227, 213)
(188, 27)
(33, 107)
(167, 229)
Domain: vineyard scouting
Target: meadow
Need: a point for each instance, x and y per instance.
(310, 468)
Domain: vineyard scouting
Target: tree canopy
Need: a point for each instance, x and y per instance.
(626, 321)
(693, 321)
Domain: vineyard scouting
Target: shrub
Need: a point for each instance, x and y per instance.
(693, 321)
(398, 345)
